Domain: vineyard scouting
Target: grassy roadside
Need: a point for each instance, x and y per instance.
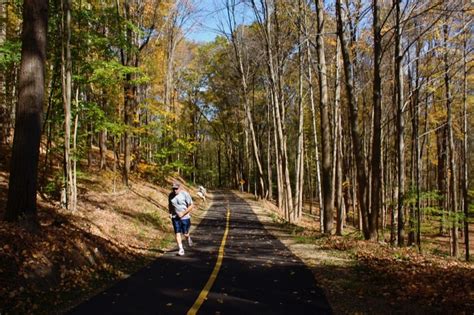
(361, 277)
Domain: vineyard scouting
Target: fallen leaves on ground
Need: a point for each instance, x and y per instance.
(362, 277)
(73, 255)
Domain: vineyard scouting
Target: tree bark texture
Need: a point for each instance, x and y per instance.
(328, 195)
(25, 152)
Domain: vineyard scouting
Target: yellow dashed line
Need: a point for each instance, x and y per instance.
(205, 291)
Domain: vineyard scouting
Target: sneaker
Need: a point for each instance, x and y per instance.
(181, 252)
(190, 242)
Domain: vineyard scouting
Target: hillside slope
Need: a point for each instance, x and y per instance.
(74, 255)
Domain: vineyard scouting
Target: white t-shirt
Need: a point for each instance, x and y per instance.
(181, 202)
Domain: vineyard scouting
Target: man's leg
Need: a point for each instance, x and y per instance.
(178, 229)
(180, 244)
(179, 240)
(186, 228)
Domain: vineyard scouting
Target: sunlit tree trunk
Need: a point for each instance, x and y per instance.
(357, 145)
(377, 127)
(328, 194)
(398, 74)
(315, 131)
(465, 173)
(275, 87)
(453, 204)
(338, 144)
(67, 96)
(3, 85)
(269, 153)
(239, 51)
(299, 183)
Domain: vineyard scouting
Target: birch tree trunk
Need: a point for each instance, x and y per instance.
(67, 96)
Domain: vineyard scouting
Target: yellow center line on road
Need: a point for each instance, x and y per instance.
(205, 291)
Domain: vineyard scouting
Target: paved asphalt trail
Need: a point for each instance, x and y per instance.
(259, 275)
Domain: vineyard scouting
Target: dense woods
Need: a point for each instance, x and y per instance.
(357, 111)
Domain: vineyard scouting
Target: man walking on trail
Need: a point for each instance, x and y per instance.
(180, 204)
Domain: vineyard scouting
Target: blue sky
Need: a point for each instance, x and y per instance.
(206, 22)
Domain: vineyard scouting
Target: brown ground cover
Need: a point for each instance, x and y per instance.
(361, 277)
(74, 255)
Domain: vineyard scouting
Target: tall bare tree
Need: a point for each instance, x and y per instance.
(399, 99)
(237, 39)
(357, 144)
(452, 173)
(67, 96)
(377, 130)
(328, 194)
(264, 20)
(337, 157)
(465, 173)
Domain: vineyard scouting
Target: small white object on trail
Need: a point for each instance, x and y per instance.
(202, 192)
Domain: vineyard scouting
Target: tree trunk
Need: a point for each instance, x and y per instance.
(451, 150)
(279, 110)
(278, 165)
(465, 179)
(67, 96)
(328, 195)
(248, 114)
(74, 162)
(103, 149)
(269, 154)
(441, 175)
(25, 153)
(299, 167)
(377, 139)
(3, 86)
(128, 101)
(416, 104)
(315, 133)
(398, 74)
(357, 146)
(338, 144)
